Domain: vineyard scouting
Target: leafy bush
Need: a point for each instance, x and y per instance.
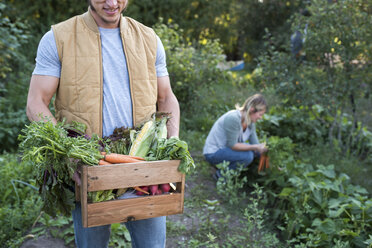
(295, 123)
(230, 185)
(191, 68)
(304, 128)
(20, 203)
(313, 203)
(13, 79)
(330, 76)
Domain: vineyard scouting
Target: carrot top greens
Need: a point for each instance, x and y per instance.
(55, 156)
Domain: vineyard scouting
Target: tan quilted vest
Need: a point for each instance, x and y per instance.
(80, 92)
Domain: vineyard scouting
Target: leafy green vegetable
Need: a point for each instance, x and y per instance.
(102, 195)
(173, 148)
(55, 157)
(119, 141)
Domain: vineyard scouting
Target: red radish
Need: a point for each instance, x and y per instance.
(165, 187)
(153, 189)
(159, 192)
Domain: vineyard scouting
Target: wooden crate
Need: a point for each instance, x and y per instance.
(95, 178)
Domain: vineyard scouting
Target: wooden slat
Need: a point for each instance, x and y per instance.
(133, 174)
(181, 188)
(84, 196)
(118, 211)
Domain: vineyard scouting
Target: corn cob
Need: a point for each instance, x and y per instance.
(142, 142)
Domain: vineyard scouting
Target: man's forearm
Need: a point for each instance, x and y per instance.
(171, 105)
(37, 111)
(41, 91)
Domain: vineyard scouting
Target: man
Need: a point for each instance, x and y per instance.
(107, 71)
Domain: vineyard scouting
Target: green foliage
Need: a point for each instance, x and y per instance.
(199, 19)
(120, 236)
(11, 122)
(55, 157)
(352, 166)
(230, 185)
(255, 219)
(60, 227)
(20, 203)
(190, 67)
(13, 36)
(41, 14)
(173, 148)
(332, 75)
(248, 33)
(302, 125)
(298, 124)
(14, 68)
(233, 23)
(316, 205)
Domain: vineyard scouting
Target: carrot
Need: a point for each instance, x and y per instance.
(141, 190)
(115, 158)
(103, 162)
(136, 157)
(103, 153)
(267, 162)
(261, 163)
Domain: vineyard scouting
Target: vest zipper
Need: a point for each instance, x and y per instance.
(101, 86)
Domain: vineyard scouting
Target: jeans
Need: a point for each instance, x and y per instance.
(232, 156)
(148, 233)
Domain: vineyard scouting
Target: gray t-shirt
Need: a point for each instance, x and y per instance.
(227, 131)
(117, 103)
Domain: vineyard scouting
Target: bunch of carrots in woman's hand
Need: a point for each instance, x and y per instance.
(264, 162)
(115, 158)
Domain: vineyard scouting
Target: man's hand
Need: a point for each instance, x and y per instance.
(76, 176)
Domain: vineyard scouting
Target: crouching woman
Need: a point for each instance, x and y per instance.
(233, 136)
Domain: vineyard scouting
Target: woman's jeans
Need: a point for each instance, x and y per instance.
(148, 233)
(229, 155)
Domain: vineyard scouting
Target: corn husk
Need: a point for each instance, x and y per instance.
(143, 140)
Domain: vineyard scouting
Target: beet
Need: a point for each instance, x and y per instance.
(153, 189)
(165, 187)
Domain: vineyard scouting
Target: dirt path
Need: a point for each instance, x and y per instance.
(44, 242)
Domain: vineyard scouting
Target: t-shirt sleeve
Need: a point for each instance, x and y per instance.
(161, 63)
(47, 60)
(253, 139)
(232, 128)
